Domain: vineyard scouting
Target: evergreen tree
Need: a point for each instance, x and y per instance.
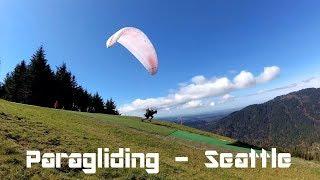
(41, 80)
(8, 87)
(110, 107)
(97, 103)
(81, 99)
(37, 84)
(16, 87)
(65, 87)
(1, 90)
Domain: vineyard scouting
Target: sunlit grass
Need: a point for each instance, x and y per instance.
(25, 127)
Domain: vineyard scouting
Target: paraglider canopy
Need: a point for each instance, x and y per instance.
(139, 45)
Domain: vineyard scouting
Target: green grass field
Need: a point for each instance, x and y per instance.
(24, 127)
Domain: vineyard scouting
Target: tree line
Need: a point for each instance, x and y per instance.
(37, 84)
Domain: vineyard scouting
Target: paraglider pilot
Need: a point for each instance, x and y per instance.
(149, 114)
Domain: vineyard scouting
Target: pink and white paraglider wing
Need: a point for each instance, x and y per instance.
(139, 45)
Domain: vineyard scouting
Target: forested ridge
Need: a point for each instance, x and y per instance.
(36, 83)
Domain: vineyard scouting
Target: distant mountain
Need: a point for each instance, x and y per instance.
(290, 122)
(199, 121)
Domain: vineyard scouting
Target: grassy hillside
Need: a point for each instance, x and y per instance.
(24, 127)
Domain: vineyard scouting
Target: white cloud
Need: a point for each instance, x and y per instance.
(268, 74)
(212, 104)
(244, 79)
(198, 79)
(190, 94)
(192, 104)
(226, 98)
(313, 82)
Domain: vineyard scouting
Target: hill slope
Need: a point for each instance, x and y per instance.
(289, 122)
(24, 127)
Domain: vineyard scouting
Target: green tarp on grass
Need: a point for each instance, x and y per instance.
(208, 140)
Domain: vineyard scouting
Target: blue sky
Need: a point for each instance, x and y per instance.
(214, 39)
